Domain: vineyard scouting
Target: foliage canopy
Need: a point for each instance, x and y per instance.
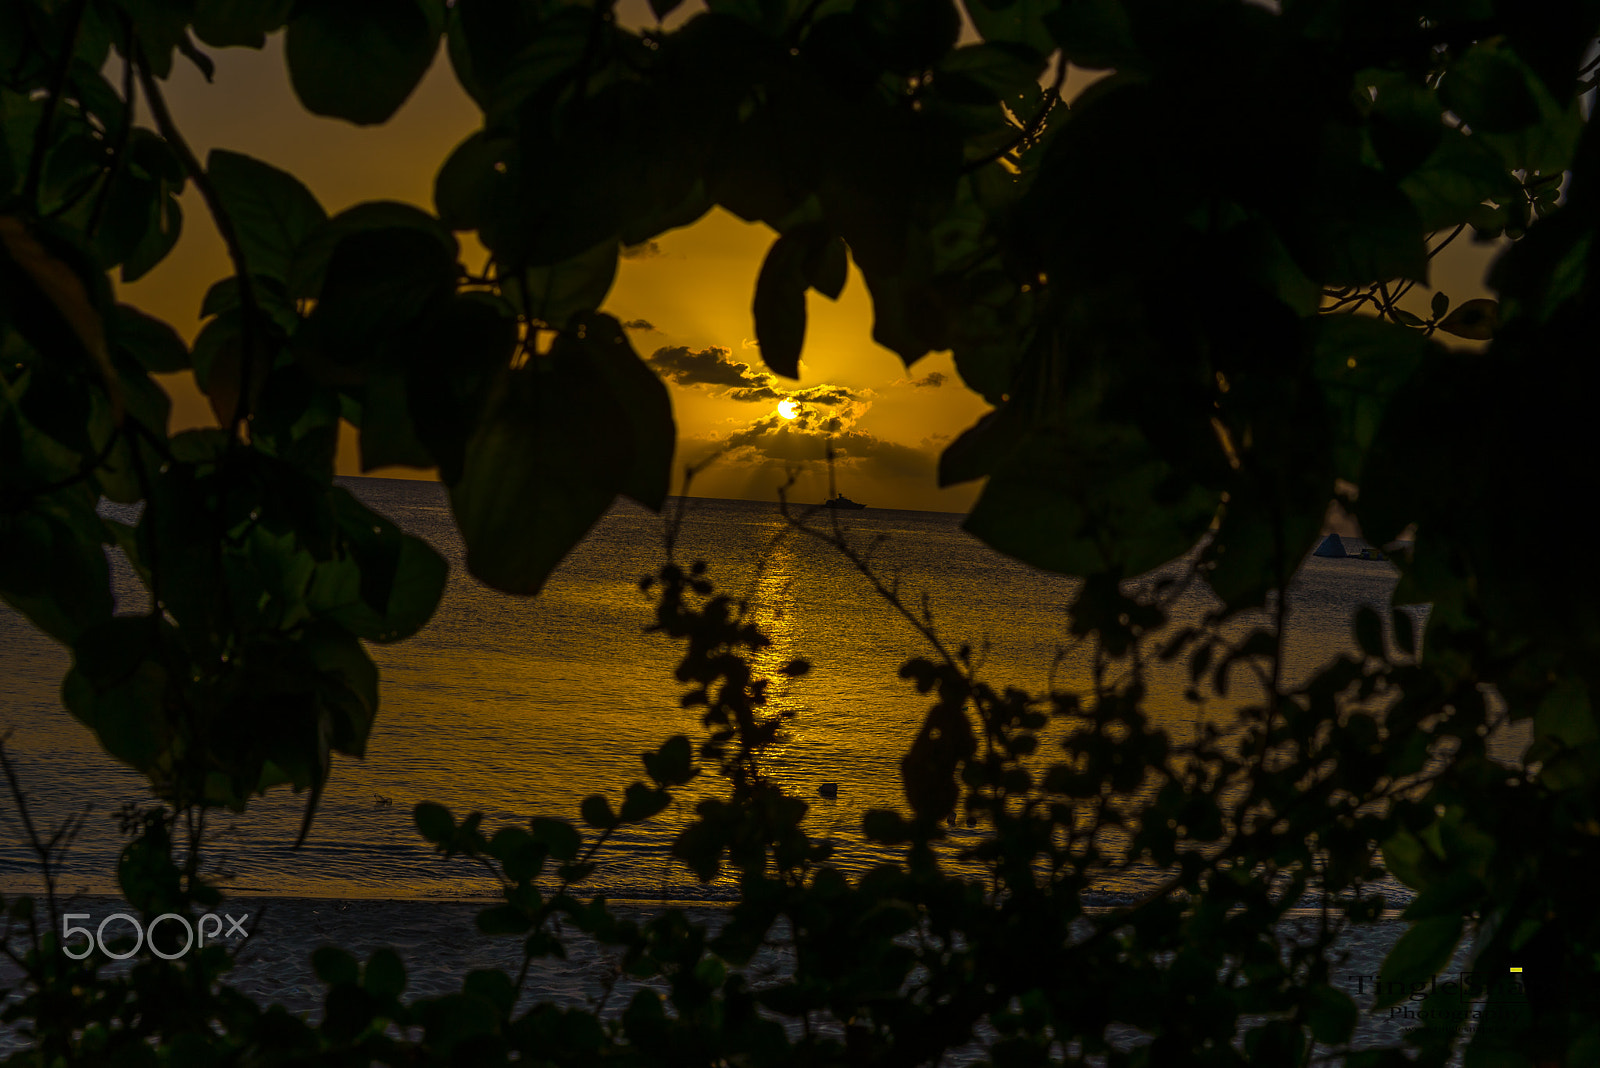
(1182, 296)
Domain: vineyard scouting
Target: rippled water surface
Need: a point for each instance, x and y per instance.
(522, 706)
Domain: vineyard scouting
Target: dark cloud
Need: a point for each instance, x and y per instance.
(754, 393)
(708, 367)
(638, 324)
(774, 439)
(884, 457)
(931, 380)
(734, 380)
(830, 395)
(641, 251)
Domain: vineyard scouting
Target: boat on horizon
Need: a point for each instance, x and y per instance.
(842, 501)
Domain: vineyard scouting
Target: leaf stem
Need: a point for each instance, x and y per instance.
(119, 151)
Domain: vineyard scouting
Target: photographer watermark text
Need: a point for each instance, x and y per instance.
(208, 927)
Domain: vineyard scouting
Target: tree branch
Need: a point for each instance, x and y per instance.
(58, 85)
(119, 151)
(250, 308)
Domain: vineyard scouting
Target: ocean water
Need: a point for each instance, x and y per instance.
(523, 706)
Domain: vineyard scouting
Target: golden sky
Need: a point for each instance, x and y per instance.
(692, 287)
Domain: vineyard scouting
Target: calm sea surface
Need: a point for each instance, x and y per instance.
(521, 707)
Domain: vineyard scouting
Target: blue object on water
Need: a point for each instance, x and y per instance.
(1332, 545)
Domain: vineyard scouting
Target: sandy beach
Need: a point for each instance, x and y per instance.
(440, 944)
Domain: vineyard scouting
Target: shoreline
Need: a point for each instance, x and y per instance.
(439, 943)
(1387, 915)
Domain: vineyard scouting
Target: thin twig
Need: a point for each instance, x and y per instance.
(40, 848)
(230, 237)
(1435, 250)
(1052, 97)
(119, 151)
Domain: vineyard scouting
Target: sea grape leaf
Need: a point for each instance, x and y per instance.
(1360, 363)
(911, 34)
(646, 404)
(988, 73)
(1073, 497)
(554, 293)
(148, 340)
(360, 59)
(310, 268)
(378, 283)
(454, 356)
(549, 455)
(162, 27)
(1456, 178)
(390, 583)
(1352, 225)
(464, 190)
(53, 573)
(388, 434)
(1489, 89)
(1022, 23)
(809, 256)
(239, 23)
(272, 212)
(434, 822)
(1566, 715)
(1420, 954)
(384, 977)
(560, 837)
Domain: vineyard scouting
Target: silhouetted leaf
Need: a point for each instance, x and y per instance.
(360, 59)
(228, 23)
(1354, 224)
(646, 407)
(334, 966)
(464, 191)
(1018, 22)
(640, 803)
(271, 211)
(1475, 319)
(152, 343)
(596, 811)
(310, 267)
(551, 452)
(780, 306)
(558, 836)
(1369, 632)
(671, 765)
(554, 294)
(434, 822)
(378, 282)
(1420, 954)
(384, 977)
(1487, 88)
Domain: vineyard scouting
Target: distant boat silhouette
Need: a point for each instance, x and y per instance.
(1334, 546)
(842, 501)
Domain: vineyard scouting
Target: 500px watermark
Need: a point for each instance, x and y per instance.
(197, 933)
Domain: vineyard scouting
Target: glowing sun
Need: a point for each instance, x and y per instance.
(787, 409)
